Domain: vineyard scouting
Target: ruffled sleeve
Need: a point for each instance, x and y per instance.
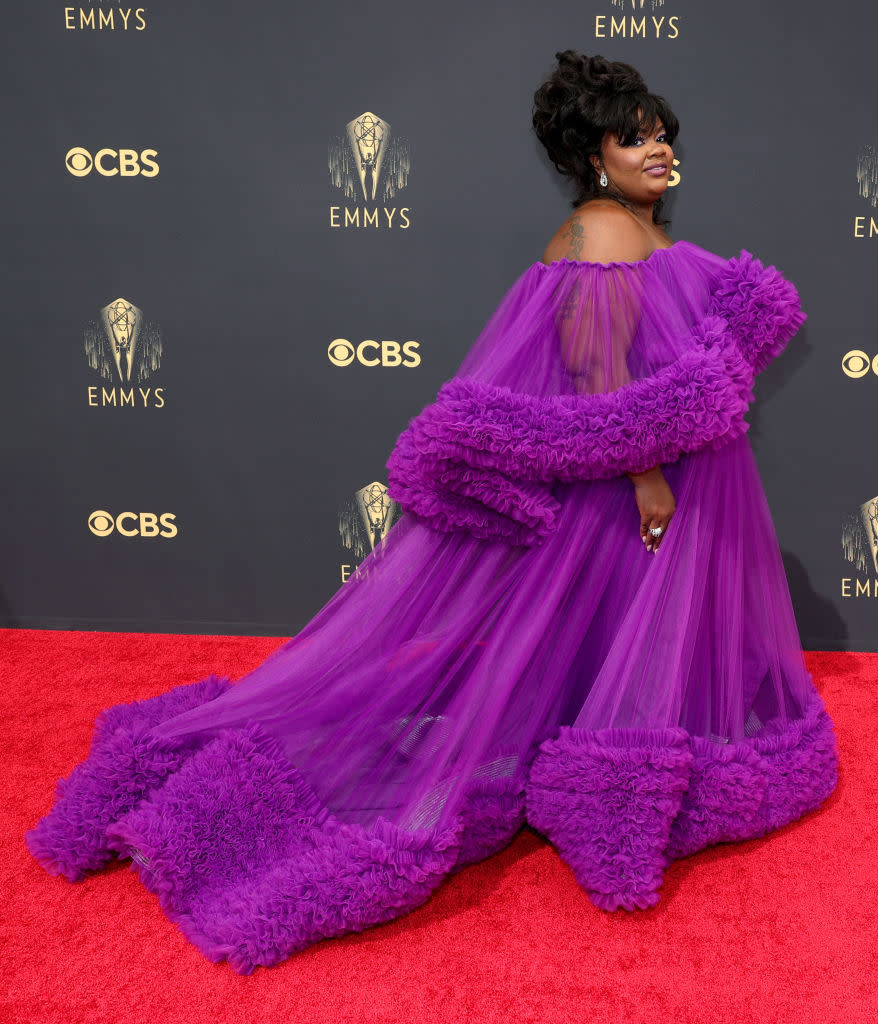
(761, 308)
(602, 370)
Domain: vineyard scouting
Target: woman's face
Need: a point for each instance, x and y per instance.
(640, 170)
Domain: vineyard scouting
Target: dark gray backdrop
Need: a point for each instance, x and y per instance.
(230, 254)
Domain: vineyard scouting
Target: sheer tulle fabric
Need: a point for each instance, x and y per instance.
(633, 707)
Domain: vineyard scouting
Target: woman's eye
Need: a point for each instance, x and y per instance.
(640, 140)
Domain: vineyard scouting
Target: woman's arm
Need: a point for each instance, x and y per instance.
(595, 341)
(655, 502)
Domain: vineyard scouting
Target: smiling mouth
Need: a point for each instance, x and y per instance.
(657, 167)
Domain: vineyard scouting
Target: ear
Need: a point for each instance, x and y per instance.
(596, 163)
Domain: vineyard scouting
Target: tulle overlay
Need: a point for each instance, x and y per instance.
(510, 652)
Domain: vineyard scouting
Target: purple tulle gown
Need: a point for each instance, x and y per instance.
(510, 652)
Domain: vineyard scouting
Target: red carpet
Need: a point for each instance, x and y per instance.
(777, 929)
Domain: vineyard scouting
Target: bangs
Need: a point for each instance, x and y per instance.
(652, 109)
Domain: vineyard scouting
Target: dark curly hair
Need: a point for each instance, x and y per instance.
(582, 100)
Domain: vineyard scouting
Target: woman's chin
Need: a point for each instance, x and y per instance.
(657, 191)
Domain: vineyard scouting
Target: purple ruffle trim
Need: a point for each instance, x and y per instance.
(124, 764)
(240, 851)
(761, 307)
(483, 458)
(251, 865)
(621, 804)
(452, 495)
(253, 868)
(243, 856)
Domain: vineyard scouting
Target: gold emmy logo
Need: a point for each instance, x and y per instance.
(857, 364)
(859, 543)
(112, 19)
(133, 524)
(867, 188)
(127, 163)
(124, 348)
(637, 25)
(370, 164)
(369, 161)
(364, 520)
(867, 174)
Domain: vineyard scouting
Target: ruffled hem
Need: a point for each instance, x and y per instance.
(252, 867)
(124, 765)
(621, 804)
(249, 863)
(241, 853)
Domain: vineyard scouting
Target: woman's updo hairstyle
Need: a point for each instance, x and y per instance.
(582, 100)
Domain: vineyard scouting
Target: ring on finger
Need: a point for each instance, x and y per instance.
(656, 531)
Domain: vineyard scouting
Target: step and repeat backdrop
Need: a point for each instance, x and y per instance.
(245, 243)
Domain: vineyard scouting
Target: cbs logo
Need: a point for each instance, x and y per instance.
(341, 352)
(133, 524)
(857, 364)
(109, 162)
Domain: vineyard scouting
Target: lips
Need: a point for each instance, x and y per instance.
(653, 168)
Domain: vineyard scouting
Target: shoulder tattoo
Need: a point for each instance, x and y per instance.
(575, 235)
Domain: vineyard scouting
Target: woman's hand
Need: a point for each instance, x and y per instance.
(655, 500)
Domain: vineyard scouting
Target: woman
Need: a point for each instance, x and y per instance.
(616, 214)
(535, 640)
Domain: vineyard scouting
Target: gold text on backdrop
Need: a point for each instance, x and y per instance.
(643, 23)
(133, 524)
(127, 163)
(111, 19)
(342, 352)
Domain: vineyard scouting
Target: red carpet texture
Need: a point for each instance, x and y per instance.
(781, 928)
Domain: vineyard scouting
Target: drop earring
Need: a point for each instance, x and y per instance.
(604, 179)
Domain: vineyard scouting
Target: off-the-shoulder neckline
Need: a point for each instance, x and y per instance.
(565, 261)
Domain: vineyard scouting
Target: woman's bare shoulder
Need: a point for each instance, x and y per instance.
(601, 231)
